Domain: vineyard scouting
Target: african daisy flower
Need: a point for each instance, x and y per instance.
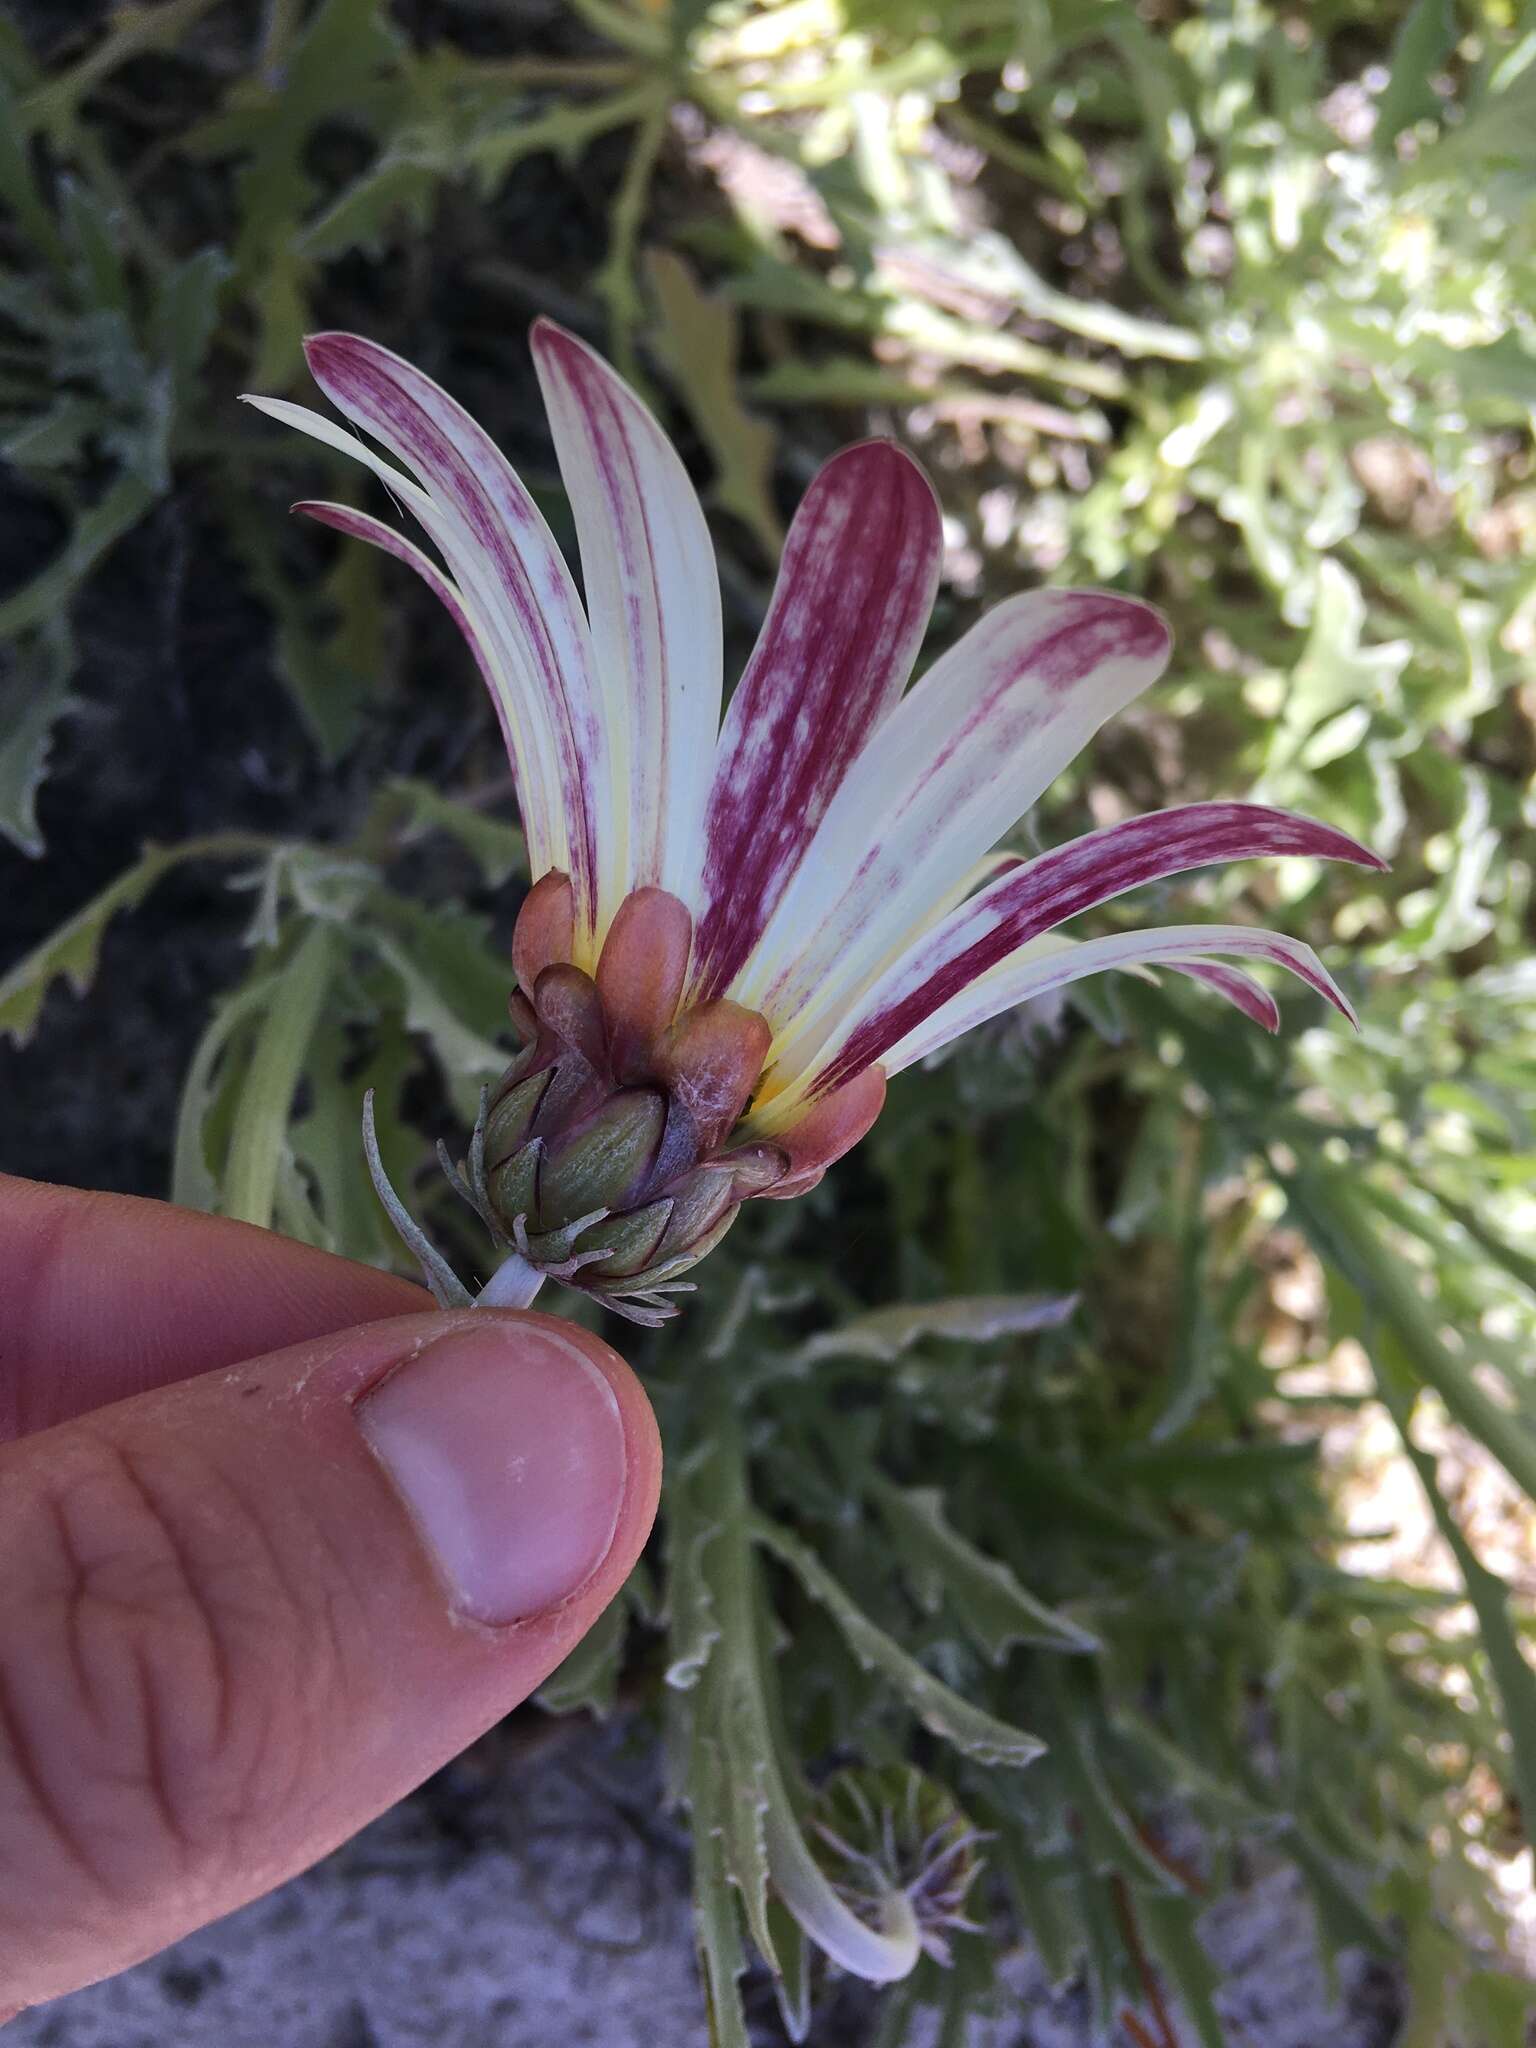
(738, 932)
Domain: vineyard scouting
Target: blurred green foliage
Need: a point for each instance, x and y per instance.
(1009, 1427)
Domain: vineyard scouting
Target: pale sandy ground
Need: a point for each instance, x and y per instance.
(543, 1906)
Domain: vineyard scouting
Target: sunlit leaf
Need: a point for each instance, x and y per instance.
(884, 1333)
(699, 342)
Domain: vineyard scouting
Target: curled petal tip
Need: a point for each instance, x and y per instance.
(881, 451)
(1114, 625)
(548, 337)
(1357, 855)
(1329, 842)
(1312, 836)
(1326, 986)
(338, 355)
(329, 341)
(1149, 634)
(1240, 989)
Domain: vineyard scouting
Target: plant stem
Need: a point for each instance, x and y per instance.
(513, 1284)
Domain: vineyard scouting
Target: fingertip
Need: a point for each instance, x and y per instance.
(528, 1458)
(642, 1451)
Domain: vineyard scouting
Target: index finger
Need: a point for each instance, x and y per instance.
(103, 1296)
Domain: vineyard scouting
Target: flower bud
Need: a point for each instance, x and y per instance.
(896, 1829)
(603, 1162)
(603, 1149)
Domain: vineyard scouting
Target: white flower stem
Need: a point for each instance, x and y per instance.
(513, 1284)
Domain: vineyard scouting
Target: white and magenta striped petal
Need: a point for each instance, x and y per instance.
(818, 875)
(363, 526)
(526, 728)
(1016, 982)
(1024, 902)
(1238, 988)
(958, 761)
(504, 560)
(653, 603)
(854, 591)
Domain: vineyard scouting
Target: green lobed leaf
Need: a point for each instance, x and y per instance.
(329, 648)
(120, 507)
(397, 192)
(499, 848)
(587, 1680)
(195, 1182)
(731, 1702)
(942, 1711)
(73, 950)
(994, 1607)
(792, 1984)
(1110, 1837)
(717, 1926)
(1342, 1921)
(259, 1141)
(454, 991)
(737, 1715)
(34, 695)
(693, 1629)
(1040, 1892)
(18, 187)
(327, 1139)
(183, 317)
(567, 130)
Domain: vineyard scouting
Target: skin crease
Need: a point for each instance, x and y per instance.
(223, 1645)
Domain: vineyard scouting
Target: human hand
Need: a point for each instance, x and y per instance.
(274, 1545)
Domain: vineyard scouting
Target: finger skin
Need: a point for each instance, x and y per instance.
(167, 1293)
(224, 1646)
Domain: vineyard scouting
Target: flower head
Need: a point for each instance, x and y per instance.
(894, 1829)
(738, 931)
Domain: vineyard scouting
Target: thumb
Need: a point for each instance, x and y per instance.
(241, 1615)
